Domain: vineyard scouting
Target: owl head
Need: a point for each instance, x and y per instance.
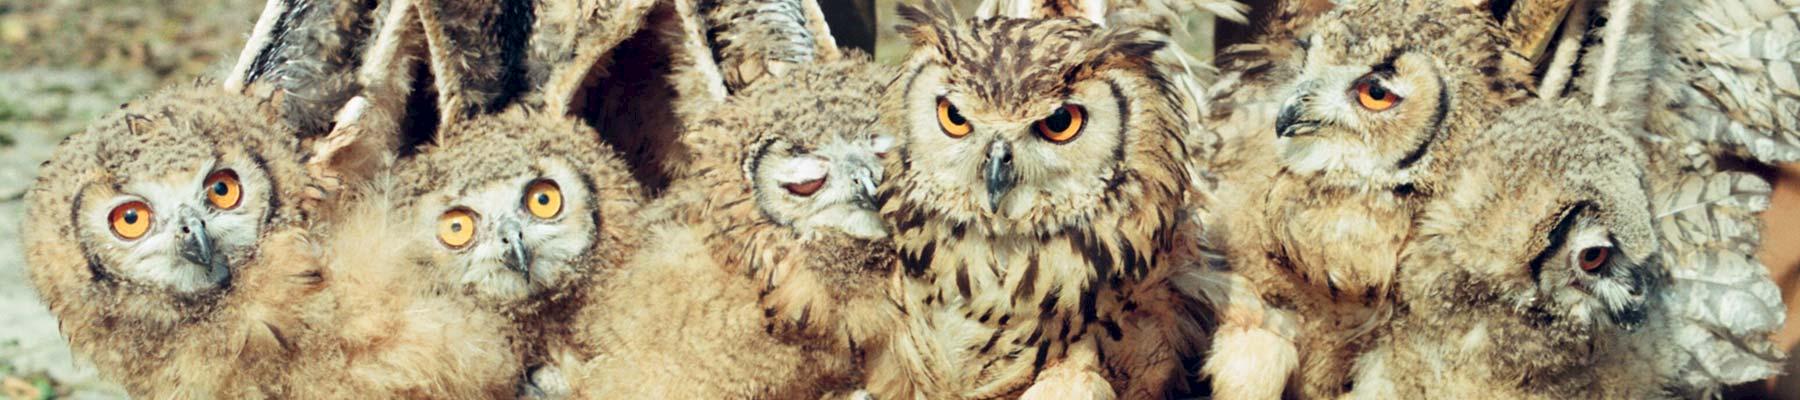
(1385, 88)
(517, 205)
(806, 148)
(1032, 126)
(164, 201)
(1551, 227)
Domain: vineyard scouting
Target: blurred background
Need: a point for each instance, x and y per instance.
(64, 63)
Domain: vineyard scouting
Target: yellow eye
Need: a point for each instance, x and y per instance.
(223, 190)
(952, 121)
(1064, 124)
(543, 199)
(1371, 95)
(456, 227)
(131, 220)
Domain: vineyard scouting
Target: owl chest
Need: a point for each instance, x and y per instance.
(1344, 245)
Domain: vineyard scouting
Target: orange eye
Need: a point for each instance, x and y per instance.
(952, 121)
(543, 199)
(223, 190)
(1062, 126)
(131, 220)
(1593, 258)
(1371, 95)
(456, 227)
(805, 188)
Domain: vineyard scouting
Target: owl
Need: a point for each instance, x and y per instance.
(1589, 288)
(765, 273)
(1561, 299)
(1036, 205)
(180, 260)
(163, 240)
(519, 210)
(1381, 98)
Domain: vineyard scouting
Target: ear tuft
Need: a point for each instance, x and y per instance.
(926, 26)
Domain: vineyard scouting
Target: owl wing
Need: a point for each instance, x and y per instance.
(1723, 302)
(756, 38)
(1720, 74)
(1732, 75)
(304, 53)
(1163, 16)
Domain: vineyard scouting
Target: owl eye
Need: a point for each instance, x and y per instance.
(131, 220)
(1375, 97)
(806, 188)
(1063, 124)
(950, 120)
(1593, 258)
(543, 199)
(223, 190)
(456, 227)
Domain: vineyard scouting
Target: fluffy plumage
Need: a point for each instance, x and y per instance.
(222, 291)
(757, 38)
(1023, 255)
(1378, 99)
(1610, 282)
(766, 273)
(532, 270)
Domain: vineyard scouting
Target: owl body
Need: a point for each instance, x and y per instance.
(766, 272)
(1375, 112)
(133, 289)
(519, 213)
(1036, 207)
(175, 255)
(1568, 299)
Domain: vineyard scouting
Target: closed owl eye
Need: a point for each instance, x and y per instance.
(951, 120)
(806, 188)
(223, 190)
(543, 199)
(1375, 97)
(130, 220)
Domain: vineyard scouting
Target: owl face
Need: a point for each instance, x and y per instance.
(173, 193)
(1374, 96)
(1027, 125)
(509, 206)
(515, 234)
(825, 189)
(180, 229)
(1577, 250)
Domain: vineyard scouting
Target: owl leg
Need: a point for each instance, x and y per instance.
(1249, 360)
(1076, 376)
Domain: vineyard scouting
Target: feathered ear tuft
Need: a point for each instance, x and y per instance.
(927, 26)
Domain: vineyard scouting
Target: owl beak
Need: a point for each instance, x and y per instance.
(1000, 177)
(518, 258)
(1289, 123)
(197, 245)
(865, 198)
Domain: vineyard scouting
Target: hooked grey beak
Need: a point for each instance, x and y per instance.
(865, 197)
(518, 258)
(1288, 122)
(197, 246)
(1000, 177)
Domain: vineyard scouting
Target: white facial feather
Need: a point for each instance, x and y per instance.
(851, 172)
(155, 258)
(554, 244)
